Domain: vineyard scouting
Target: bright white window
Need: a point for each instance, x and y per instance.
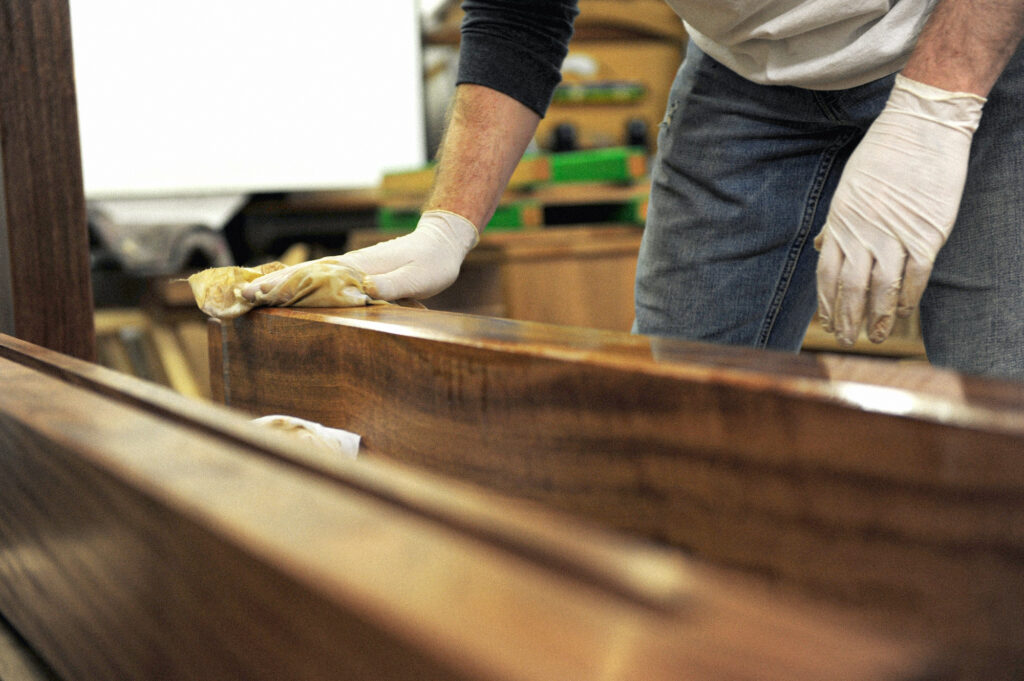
(239, 96)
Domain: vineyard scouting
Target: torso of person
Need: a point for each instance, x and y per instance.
(816, 44)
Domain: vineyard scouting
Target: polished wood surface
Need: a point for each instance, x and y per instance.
(18, 662)
(895, 488)
(144, 536)
(45, 290)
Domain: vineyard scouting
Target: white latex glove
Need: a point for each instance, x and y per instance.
(417, 265)
(420, 264)
(334, 440)
(894, 207)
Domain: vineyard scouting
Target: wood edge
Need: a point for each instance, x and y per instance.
(216, 354)
(432, 497)
(18, 662)
(904, 653)
(42, 202)
(823, 378)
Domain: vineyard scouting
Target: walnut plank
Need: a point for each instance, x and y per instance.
(17, 661)
(141, 539)
(896, 490)
(45, 288)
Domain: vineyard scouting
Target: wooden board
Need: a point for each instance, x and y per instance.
(897, 489)
(145, 536)
(17, 661)
(45, 289)
(649, 63)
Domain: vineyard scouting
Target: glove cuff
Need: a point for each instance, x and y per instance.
(961, 110)
(459, 231)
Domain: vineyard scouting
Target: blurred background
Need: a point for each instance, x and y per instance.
(231, 132)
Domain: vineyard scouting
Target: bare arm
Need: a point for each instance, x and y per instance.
(966, 43)
(510, 59)
(486, 136)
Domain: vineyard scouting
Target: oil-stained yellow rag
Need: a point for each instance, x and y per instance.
(320, 283)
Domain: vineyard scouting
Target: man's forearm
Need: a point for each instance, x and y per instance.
(486, 136)
(966, 43)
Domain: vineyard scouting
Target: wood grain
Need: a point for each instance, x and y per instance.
(139, 540)
(45, 289)
(17, 661)
(896, 489)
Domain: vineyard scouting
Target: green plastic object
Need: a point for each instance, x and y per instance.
(602, 92)
(614, 164)
(509, 217)
(633, 212)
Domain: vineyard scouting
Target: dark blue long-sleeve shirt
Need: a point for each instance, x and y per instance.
(516, 47)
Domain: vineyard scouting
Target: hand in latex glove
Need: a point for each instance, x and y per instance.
(420, 264)
(893, 209)
(416, 265)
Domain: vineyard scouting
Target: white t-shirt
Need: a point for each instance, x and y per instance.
(817, 44)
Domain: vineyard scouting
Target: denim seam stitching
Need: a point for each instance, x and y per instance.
(830, 111)
(825, 164)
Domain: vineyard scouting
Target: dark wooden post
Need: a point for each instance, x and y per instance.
(45, 290)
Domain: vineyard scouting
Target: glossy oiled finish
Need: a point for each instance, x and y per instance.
(45, 291)
(17, 661)
(895, 488)
(146, 537)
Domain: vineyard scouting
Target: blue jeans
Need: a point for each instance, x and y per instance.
(741, 185)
